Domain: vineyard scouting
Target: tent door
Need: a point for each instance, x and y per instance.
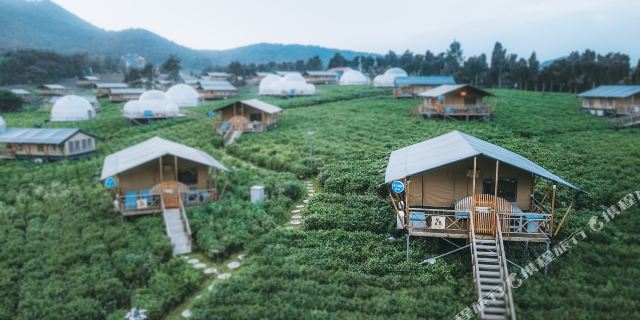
(170, 194)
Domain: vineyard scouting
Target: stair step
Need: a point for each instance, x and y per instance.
(485, 247)
(497, 302)
(497, 310)
(480, 241)
(487, 253)
(490, 281)
(486, 288)
(494, 317)
(492, 260)
(488, 266)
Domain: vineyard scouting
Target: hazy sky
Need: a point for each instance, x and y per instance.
(550, 27)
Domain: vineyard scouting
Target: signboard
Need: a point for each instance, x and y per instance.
(211, 114)
(110, 183)
(438, 222)
(397, 187)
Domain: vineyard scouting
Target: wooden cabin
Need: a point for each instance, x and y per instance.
(248, 116)
(445, 187)
(612, 100)
(213, 90)
(51, 90)
(407, 87)
(87, 81)
(321, 77)
(102, 89)
(117, 95)
(47, 144)
(23, 94)
(460, 101)
(217, 76)
(159, 170)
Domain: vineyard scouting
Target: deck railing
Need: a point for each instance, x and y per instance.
(457, 109)
(532, 224)
(145, 203)
(439, 219)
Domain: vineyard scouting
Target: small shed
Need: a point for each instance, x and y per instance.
(321, 77)
(212, 90)
(51, 90)
(407, 87)
(459, 101)
(102, 89)
(87, 81)
(23, 94)
(249, 116)
(612, 100)
(160, 172)
(47, 144)
(123, 95)
(218, 76)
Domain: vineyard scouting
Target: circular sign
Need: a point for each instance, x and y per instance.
(110, 182)
(397, 186)
(211, 114)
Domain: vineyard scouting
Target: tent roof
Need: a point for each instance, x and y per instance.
(217, 85)
(262, 106)
(53, 86)
(109, 85)
(20, 91)
(424, 80)
(611, 92)
(452, 147)
(151, 149)
(126, 91)
(321, 73)
(39, 135)
(447, 88)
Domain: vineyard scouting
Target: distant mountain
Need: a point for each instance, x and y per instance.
(45, 25)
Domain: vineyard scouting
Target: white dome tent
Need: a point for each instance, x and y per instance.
(153, 104)
(3, 125)
(183, 95)
(266, 83)
(387, 79)
(72, 108)
(291, 84)
(154, 95)
(352, 77)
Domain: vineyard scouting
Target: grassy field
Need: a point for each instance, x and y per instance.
(67, 255)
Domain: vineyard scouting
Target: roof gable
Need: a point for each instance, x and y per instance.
(257, 104)
(452, 147)
(424, 80)
(39, 135)
(611, 92)
(447, 88)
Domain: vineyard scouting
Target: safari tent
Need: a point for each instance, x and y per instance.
(611, 100)
(211, 90)
(321, 77)
(460, 101)
(124, 94)
(160, 173)
(51, 90)
(249, 116)
(46, 144)
(407, 87)
(103, 89)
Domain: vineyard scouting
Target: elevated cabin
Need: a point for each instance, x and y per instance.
(103, 89)
(452, 177)
(321, 77)
(87, 81)
(212, 90)
(217, 76)
(23, 94)
(612, 101)
(249, 116)
(46, 144)
(460, 101)
(117, 95)
(194, 83)
(408, 87)
(159, 173)
(51, 90)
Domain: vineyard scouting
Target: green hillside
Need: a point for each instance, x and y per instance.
(67, 255)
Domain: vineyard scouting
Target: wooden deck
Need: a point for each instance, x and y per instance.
(467, 112)
(145, 204)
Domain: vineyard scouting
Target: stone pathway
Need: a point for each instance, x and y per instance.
(296, 218)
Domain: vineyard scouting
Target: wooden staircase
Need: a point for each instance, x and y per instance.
(627, 121)
(231, 136)
(490, 272)
(177, 228)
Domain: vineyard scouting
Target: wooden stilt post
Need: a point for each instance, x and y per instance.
(495, 197)
(553, 206)
(407, 215)
(161, 174)
(175, 168)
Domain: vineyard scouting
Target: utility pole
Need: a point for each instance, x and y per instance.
(310, 142)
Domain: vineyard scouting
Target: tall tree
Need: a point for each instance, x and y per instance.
(498, 64)
(172, 67)
(147, 75)
(314, 63)
(534, 71)
(337, 61)
(453, 58)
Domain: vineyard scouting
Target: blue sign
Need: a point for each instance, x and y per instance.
(397, 186)
(440, 98)
(110, 183)
(211, 114)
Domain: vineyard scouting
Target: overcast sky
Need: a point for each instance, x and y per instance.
(552, 28)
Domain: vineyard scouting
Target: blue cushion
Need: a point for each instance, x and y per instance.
(533, 216)
(462, 214)
(130, 200)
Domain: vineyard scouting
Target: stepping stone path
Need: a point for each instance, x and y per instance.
(224, 276)
(295, 222)
(297, 213)
(305, 201)
(199, 265)
(193, 261)
(296, 217)
(300, 206)
(233, 265)
(210, 271)
(241, 257)
(186, 313)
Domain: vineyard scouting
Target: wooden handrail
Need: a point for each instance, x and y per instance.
(474, 257)
(183, 217)
(166, 225)
(504, 270)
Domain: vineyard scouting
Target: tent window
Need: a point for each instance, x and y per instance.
(72, 148)
(188, 176)
(507, 188)
(84, 144)
(40, 148)
(255, 117)
(77, 145)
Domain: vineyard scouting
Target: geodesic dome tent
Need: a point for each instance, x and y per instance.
(3, 125)
(154, 95)
(183, 95)
(72, 108)
(265, 84)
(388, 78)
(152, 104)
(353, 78)
(291, 84)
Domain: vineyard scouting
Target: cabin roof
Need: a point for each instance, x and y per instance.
(611, 92)
(447, 88)
(90, 78)
(39, 135)
(321, 73)
(20, 92)
(126, 91)
(216, 85)
(452, 147)
(110, 85)
(424, 80)
(151, 149)
(218, 74)
(52, 86)
(258, 104)
(91, 99)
